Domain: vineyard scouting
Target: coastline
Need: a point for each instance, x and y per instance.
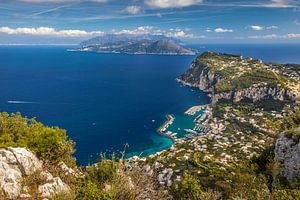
(133, 53)
(170, 118)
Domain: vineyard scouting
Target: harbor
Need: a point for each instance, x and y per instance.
(190, 124)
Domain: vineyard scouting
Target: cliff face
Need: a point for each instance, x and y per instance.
(287, 153)
(255, 93)
(200, 76)
(210, 70)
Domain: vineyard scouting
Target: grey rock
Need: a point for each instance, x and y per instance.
(18, 163)
(287, 153)
(56, 186)
(27, 161)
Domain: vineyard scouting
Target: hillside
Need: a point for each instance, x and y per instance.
(114, 38)
(140, 44)
(230, 77)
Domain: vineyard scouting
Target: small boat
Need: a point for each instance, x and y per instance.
(190, 131)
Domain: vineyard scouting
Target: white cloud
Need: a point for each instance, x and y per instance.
(133, 9)
(182, 34)
(60, 1)
(138, 31)
(47, 31)
(175, 33)
(260, 28)
(271, 27)
(256, 28)
(171, 3)
(274, 36)
(292, 35)
(280, 4)
(223, 30)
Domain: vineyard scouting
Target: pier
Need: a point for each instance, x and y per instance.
(193, 110)
(170, 120)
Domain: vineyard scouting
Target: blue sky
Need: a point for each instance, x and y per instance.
(193, 21)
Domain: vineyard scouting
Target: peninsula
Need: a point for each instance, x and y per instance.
(251, 149)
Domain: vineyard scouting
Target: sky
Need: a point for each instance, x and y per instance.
(192, 21)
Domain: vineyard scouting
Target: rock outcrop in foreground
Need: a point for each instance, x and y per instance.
(17, 167)
(287, 153)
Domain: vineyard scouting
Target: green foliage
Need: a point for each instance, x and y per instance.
(248, 186)
(293, 125)
(286, 194)
(249, 78)
(90, 190)
(106, 180)
(49, 143)
(105, 171)
(270, 104)
(294, 134)
(93, 184)
(187, 189)
(219, 111)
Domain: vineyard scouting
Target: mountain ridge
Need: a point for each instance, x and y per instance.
(135, 44)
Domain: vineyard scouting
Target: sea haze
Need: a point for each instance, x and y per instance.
(107, 100)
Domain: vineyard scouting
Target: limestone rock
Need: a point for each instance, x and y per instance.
(56, 186)
(18, 163)
(27, 161)
(287, 153)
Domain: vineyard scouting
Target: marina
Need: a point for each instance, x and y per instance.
(188, 125)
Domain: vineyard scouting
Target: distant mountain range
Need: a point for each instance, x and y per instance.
(135, 44)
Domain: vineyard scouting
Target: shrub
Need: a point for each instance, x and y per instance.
(49, 143)
(187, 189)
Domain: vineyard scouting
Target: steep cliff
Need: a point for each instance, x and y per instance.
(230, 77)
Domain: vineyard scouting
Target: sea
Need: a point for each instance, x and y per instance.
(105, 101)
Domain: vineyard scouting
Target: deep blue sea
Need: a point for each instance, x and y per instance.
(107, 100)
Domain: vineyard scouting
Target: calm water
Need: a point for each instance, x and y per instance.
(107, 100)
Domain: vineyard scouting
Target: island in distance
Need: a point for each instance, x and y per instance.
(135, 44)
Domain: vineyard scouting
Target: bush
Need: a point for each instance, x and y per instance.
(187, 189)
(49, 143)
(286, 194)
(104, 181)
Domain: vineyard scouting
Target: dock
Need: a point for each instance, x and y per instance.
(165, 126)
(193, 110)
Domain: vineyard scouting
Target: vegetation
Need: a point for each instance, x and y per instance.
(293, 123)
(49, 143)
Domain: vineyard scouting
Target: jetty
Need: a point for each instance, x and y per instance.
(165, 126)
(193, 110)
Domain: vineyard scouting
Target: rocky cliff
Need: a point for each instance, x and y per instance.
(230, 77)
(200, 76)
(17, 167)
(254, 93)
(287, 153)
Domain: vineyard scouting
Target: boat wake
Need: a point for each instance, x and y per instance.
(22, 102)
